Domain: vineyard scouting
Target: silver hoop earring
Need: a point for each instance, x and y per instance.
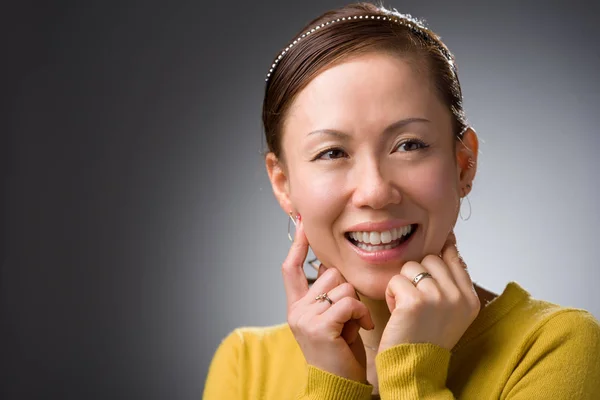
(460, 208)
(289, 231)
(314, 262)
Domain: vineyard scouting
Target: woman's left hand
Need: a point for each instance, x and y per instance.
(437, 310)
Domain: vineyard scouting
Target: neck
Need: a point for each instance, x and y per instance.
(380, 314)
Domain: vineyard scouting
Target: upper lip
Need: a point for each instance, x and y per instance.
(371, 226)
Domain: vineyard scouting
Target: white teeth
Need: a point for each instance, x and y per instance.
(368, 247)
(375, 238)
(384, 237)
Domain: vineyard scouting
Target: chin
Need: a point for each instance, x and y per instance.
(372, 286)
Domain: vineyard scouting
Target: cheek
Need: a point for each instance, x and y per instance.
(434, 186)
(317, 198)
(434, 189)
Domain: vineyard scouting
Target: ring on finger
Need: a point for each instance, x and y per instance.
(322, 297)
(420, 277)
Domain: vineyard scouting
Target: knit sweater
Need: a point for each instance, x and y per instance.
(518, 348)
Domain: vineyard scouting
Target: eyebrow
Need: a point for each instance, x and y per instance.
(396, 125)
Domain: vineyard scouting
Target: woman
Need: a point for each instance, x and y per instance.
(370, 154)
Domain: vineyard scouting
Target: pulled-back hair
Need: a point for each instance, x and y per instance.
(352, 34)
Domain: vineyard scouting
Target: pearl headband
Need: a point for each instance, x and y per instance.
(413, 26)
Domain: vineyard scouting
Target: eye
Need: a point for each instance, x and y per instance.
(411, 145)
(331, 154)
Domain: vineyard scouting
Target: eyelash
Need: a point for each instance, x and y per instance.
(324, 152)
(422, 144)
(404, 142)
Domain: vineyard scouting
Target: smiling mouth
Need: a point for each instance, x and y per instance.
(384, 240)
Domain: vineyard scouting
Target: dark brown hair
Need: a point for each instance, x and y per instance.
(333, 43)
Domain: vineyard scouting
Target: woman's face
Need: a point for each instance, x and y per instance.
(370, 166)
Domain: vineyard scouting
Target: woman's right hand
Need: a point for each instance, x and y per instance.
(328, 335)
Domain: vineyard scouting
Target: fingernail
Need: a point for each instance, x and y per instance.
(298, 218)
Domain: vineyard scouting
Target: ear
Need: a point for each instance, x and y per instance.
(279, 182)
(467, 149)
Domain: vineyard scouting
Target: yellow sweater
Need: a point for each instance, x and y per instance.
(517, 348)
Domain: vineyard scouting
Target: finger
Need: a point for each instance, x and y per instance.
(343, 290)
(444, 277)
(335, 295)
(440, 271)
(400, 289)
(348, 309)
(350, 331)
(456, 265)
(411, 269)
(294, 279)
(318, 307)
(330, 279)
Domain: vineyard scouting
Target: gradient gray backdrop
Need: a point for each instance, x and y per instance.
(138, 224)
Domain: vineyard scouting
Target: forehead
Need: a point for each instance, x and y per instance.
(366, 93)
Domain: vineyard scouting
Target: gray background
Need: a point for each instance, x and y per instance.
(138, 224)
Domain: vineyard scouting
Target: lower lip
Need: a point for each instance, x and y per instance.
(383, 256)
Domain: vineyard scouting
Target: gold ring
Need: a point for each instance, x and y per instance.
(421, 276)
(323, 296)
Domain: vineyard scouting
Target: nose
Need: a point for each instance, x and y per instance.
(372, 188)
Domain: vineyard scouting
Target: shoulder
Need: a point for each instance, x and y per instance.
(527, 330)
(559, 354)
(550, 336)
(248, 357)
(254, 357)
(256, 346)
(532, 317)
(257, 342)
(563, 325)
(538, 317)
(260, 336)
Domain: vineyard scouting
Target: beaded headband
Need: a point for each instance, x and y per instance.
(414, 26)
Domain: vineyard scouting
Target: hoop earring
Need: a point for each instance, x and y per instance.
(460, 208)
(288, 232)
(314, 262)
